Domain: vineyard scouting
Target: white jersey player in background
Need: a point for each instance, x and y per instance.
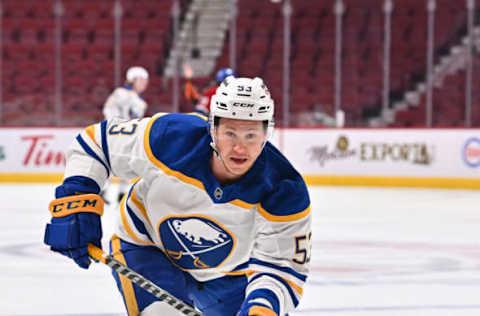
(127, 103)
(219, 217)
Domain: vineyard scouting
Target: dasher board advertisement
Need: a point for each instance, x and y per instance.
(392, 157)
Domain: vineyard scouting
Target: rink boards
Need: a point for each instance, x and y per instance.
(448, 158)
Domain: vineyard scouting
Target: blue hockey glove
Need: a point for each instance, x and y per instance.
(75, 223)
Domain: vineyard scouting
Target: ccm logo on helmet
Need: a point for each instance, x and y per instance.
(243, 105)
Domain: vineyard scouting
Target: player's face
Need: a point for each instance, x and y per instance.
(140, 84)
(239, 143)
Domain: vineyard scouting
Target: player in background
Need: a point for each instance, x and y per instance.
(127, 103)
(218, 217)
(202, 102)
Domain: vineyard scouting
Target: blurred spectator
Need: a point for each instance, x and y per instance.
(315, 116)
(202, 102)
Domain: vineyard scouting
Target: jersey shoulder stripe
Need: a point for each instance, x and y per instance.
(103, 129)
(283, 218)
(90, 152)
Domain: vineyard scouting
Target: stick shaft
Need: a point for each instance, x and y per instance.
(98, 254)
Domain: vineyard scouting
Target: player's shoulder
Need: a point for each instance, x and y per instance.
(120, 92)
(169, 137)
(287, 197)
(178, 122)
(121, 89)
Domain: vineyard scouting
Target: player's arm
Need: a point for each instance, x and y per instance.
(279, 262)
(190, 91)
(111, 108)
(137, 108)
(109, 147)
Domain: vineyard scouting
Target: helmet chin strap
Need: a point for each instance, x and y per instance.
(215, 149)
(217, 155)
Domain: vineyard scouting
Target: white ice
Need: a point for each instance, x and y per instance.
(376, 252)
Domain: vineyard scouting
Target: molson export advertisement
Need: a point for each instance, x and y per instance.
(446, 158)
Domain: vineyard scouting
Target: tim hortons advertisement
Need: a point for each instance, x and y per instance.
(29, 150)
(385, 152)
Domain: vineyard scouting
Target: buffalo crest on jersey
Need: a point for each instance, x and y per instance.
(195, 242)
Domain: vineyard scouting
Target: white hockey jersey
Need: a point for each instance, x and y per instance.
(124, 103)
(259, 225)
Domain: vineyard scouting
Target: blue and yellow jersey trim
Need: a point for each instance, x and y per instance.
(203, 117)
(139, 205)
(148, 150)
(290, 286)
(126, 284)
(91, 152)
(249, 273)
(283, 218)
(90, 131)
(242, 204)
(261, 310)
(126, 214)
(254, 266)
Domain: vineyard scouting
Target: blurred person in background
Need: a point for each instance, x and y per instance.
(126, 102)
(202, 102)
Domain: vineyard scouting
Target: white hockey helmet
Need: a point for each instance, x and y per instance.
(136, 72)
(243, 99)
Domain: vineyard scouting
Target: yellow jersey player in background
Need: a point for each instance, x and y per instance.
(219, 217)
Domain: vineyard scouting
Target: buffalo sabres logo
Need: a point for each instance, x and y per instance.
(195, 242)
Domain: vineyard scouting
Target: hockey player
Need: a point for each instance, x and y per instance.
(202, 103)
(219, 217)
(127, 103)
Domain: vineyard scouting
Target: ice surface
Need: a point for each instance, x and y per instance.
(376, 251)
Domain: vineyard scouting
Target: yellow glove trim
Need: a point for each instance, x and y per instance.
(92, 203)
(261, 311)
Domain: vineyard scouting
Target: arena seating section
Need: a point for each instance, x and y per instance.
(28, 63)
(448, 102)
(28, 76)
(260, 38)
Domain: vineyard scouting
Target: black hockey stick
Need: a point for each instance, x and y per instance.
(98, 254)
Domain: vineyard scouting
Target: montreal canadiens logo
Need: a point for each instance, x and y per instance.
(471, 152)
(195, 242)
